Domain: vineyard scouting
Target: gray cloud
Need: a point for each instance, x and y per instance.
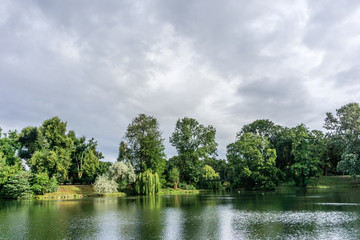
(98, 64)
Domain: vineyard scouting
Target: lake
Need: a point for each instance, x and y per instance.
(295, 214)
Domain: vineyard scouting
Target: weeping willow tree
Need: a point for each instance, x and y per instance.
(147, 183)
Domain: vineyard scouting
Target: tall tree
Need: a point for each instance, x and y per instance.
(252, 162)
(144, 145)
(345, 125)
(194, 142)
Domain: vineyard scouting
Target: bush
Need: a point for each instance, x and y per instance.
(186, 186)
(105, 185)
(18, 187)
(122, 173)
(42, 184)
(147, 183)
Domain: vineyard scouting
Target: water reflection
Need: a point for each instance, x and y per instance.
(253, 215)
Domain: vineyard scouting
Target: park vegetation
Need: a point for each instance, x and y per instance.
(36, 160)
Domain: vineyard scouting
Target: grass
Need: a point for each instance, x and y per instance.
(337, 182)
(179, 191)
(344, 181)
(76, 191)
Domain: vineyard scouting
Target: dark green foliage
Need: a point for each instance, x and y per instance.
(307, 150)
(194, 144)
(252, 163)
(345, 127)
(9, 145)
(144, 146)
(147, 183)
(42, 184)
(18, 187)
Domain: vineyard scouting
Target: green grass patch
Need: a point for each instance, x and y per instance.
(76, 192)
(179, 191)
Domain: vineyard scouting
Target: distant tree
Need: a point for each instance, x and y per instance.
(174, 175)
(122, 173)
(210, 177)
(9, 145)
(252, 162)
(31, 140)
(194, 143)
(345, 126)
(144, 145)
(307, 151)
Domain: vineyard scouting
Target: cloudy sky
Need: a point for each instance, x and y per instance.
(98, 64)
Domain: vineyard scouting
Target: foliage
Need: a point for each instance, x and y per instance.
(18, 187)
(194, 142)
(144, 146)
(346, 127)
(174, 177)
(122, 173)
(31, 140)
(210, 178)
(41, 184)
(105, 185)
(252, 162)
(147, 183)
(306, 149)
(9, 146)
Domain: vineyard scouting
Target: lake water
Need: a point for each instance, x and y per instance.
(314, 214)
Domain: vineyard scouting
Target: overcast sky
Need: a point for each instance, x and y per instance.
(98, 64)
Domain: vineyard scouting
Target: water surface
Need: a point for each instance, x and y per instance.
(314, 214)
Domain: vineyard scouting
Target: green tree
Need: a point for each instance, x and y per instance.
(31, 140)
(210, 178)
(147, 183)
(145, 146)
(18, 187)
(345, 125)
(194, 143)
(41, 184)
(252, 162)
(174, 175)
(9, 145)
(306, 149)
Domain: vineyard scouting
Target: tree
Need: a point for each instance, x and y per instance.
(210, 178)
(147, 183)
(85, 158)
(18, 187)
(41, 184)
(122, 173)
(252, 162)
(307, 152)
(105, 185)
(174, 177)
(346, 127)
(194, 143)
(9, 145)
(145, 146)
(31, 140)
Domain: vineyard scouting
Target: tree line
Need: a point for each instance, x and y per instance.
(262, 156)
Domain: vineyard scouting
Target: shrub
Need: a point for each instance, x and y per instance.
(18, 187)
(42, 184)
(105, 185)
(122, 173)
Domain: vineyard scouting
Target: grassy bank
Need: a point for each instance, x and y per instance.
(344, 181)
(83, 191)
(75, 192)
(171, 191)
